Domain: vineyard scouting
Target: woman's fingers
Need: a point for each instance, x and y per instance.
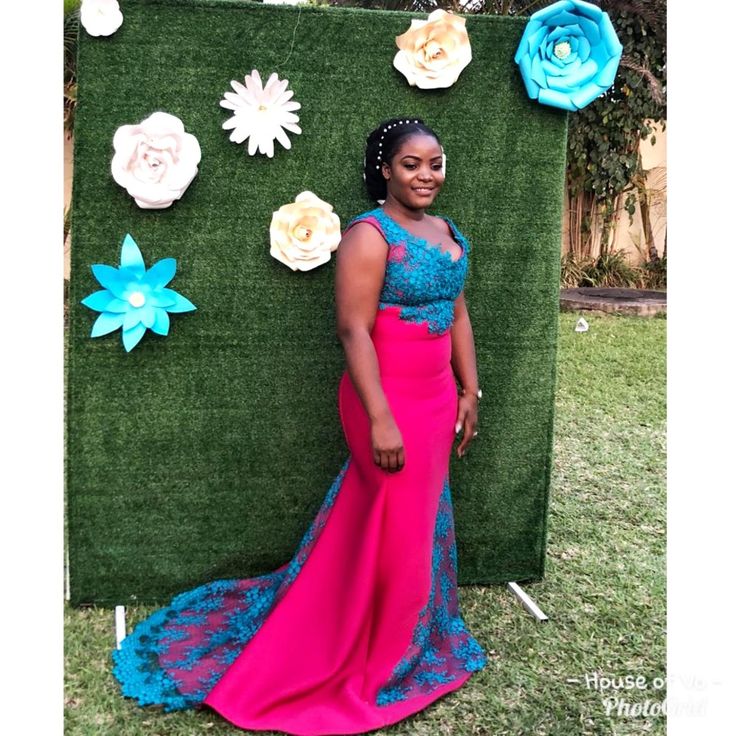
(469, 433)
(388, 445)
(390, 460)
(394, 463)
(462, 414)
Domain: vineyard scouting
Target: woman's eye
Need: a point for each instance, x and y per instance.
(410, 166)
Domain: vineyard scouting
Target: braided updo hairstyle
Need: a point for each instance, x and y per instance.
(381, 146)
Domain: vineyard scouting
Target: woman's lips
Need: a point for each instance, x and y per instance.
(423, 190)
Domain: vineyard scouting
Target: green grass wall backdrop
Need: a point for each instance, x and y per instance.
(206, 454)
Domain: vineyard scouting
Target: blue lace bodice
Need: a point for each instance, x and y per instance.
(421, 278)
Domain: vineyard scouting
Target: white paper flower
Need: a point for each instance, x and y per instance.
(100, 17)
(304, 232)
(155, 160)
(261, 114)
(433, 52)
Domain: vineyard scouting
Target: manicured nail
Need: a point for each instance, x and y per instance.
(457, 428)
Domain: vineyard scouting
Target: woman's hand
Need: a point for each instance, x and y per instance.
(388, 444)
(467, 420)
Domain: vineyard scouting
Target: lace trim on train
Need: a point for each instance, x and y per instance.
(442, 648)
(177, 655)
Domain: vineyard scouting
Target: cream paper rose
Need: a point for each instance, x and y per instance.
(100, 17)
(156, 160)
(433, 52)
(304, 233)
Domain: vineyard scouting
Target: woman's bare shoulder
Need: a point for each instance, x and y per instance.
(366, 233)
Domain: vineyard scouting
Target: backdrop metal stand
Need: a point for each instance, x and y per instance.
(527, 602)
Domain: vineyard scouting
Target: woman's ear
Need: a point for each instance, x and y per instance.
(386, 171)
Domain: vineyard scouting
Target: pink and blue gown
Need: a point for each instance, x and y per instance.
(361, 628)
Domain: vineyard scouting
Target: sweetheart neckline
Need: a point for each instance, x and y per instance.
(456, 236)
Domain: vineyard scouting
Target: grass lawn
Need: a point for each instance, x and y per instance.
(604, 590)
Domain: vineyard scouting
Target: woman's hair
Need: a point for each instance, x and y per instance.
(381, 146)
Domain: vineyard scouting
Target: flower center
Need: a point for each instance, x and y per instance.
(434, 50)
(562, 50)
(303, 233)
(137, 299)
(262, 108)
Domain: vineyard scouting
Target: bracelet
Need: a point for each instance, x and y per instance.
(479, 393)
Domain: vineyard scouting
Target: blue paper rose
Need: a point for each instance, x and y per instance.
(569, 54)
(134, 298)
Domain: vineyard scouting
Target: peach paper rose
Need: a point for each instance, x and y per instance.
(304, 233)
(433, 52)
(155, 160)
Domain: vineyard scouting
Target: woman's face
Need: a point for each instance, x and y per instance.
(415, 176)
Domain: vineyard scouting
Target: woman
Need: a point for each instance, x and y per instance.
(362, 627)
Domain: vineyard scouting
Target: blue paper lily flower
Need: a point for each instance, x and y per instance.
(134, 298)
(569, 54)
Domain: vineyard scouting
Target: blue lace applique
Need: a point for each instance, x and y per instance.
(421, 279)
(178, 654)
(442, 648)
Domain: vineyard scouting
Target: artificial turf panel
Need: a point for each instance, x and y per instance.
(206, 454)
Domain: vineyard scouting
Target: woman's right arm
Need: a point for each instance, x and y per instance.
(360, 271)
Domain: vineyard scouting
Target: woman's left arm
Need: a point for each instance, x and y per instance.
(466, 371)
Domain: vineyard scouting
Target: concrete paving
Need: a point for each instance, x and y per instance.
(644, 302)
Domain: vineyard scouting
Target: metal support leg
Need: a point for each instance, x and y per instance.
(67, 590)
(527, 602)
(120, 631)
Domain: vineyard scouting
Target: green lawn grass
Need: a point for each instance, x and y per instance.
(604, 590)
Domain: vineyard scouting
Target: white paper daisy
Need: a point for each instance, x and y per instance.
(261, 114)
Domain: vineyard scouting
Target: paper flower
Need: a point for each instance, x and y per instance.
(433, 52)
(304, 233)
(569, 54)
(100, 17)
(261, 113)
(155, 160)
(133, 298)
